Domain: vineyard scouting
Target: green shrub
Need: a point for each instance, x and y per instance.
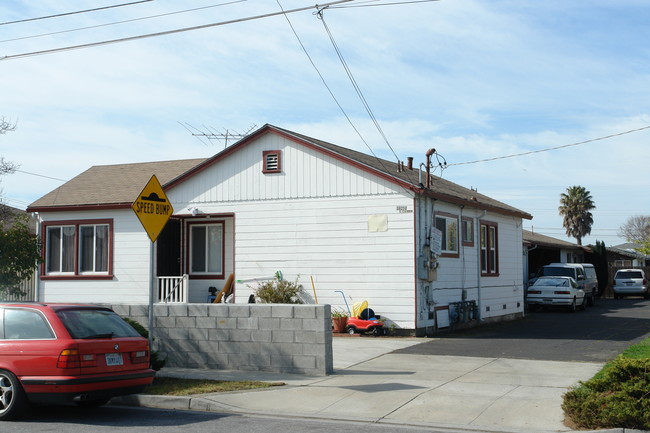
(279, 291)
(154, 358)
(618, 397)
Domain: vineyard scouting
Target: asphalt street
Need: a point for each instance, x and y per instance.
(595, 335)
(114, 419)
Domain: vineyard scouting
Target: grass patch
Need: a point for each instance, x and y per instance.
(618, 396)
(184, 387)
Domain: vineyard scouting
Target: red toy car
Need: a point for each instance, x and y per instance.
(60, 353)
(364, 320)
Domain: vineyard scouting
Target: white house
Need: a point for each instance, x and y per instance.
(348, 226)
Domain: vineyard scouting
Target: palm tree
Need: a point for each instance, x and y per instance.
(575, 207)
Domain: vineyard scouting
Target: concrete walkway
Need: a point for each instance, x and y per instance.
(372, 384)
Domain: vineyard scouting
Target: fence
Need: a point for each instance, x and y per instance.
(28, 287)
(270, 337)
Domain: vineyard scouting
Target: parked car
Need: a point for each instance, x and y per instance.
(583, 273)
(556, 291)
(67, 353)
(630, 282)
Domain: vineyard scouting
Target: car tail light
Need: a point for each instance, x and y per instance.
(562, 292)
(70, 358)
(534, 292)
(140, 357)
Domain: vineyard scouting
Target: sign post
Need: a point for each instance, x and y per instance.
(153, 210)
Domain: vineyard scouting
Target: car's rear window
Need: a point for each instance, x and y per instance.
(629, 274)
(562, 272)
(557, 282)
(95, 323)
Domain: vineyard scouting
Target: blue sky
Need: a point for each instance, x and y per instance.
(476, 80)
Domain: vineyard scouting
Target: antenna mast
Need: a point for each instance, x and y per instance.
(211, 134)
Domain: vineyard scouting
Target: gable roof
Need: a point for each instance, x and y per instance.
(114, 185)
(110, 186)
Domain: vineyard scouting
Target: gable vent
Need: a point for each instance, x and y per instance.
(272, 161)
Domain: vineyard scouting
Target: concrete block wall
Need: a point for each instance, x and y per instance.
(270, 337)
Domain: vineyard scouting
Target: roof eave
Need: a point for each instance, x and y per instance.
(472, 203)
(78, 207)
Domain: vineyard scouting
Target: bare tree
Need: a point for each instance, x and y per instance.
(6, 125)
(637, 230)
(6, 167)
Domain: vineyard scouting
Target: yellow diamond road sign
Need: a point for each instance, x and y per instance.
(152, 208)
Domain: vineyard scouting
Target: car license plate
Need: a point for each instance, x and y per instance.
(114, 359)
(548, 301)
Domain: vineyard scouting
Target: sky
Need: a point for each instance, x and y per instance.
(564, 82)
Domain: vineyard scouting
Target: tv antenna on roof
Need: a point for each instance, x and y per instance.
(211, 134)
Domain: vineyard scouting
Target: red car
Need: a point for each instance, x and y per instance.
(62, 353)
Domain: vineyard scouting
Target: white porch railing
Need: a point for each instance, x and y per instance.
(173, 289)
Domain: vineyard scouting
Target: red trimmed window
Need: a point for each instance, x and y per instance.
(489, 249)
(206, 250)
(272, 161)
(78, 249)
(467, 231)
(448, 225)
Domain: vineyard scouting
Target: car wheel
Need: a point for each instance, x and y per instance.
(592, 298)
(92, 403)
(573, 307)
(351, 330)
(12, 396)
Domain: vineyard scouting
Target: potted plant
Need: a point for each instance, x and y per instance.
(339, 320)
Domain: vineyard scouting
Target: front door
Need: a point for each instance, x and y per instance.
(168, 250)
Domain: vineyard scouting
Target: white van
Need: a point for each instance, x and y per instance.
(583, 273)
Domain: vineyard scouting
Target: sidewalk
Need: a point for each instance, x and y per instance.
(371, 384)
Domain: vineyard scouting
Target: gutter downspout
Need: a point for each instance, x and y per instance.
(37, 277)
(478, 262)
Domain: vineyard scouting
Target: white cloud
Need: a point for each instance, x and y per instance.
(474, 80)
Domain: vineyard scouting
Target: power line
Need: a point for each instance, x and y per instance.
(164, 33)
(41, 175)
(121, 22)
(348, 71)
(336, 101)
(74, 13)
(383, 4)
(552, 148)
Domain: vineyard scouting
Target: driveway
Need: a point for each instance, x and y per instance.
(502, 377)
(595, 335)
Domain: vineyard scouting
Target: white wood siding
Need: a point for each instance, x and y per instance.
(456, 274)
(505, 294)
(305, 173)
(328, 239)
(130, 264)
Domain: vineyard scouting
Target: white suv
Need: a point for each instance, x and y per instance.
(630, 282)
